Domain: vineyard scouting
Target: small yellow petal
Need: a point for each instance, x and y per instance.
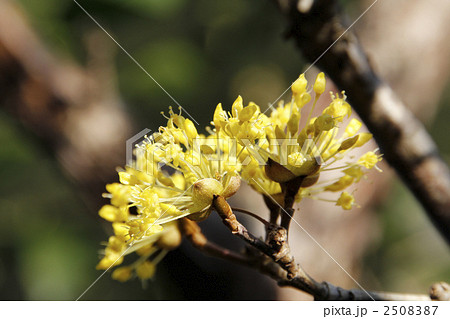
(237, 106)
(247, 112)
(146, 250)
(219, 116)
(108, 262)
(353, 127)
(145, 270)
(109, 213)
(341, 184)
(121, 230)
(363, 139)
(369, 160)
(191, 131)
(122, 274)
(346, 201)
(170, 239)
(170, 210)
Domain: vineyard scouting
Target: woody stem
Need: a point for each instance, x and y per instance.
(290, 189)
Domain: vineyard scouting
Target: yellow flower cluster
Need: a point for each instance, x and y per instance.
(159, 198)
(177, 171)
(278, 148)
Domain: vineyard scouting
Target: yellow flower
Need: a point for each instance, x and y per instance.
(113, 254)
(283, 150)
(113, 213)
(369, 160)
(178, 171)
(199, 169)
(122, 274)
(346, 200)
(145, 270)
(341, 184)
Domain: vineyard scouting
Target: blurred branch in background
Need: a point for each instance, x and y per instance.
(74, 111)
(402, 138)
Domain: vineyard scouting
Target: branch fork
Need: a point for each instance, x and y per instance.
(273, 258)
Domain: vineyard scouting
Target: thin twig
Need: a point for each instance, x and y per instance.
(195, 236)
(272, 248)
(262, 220)
(229, 219)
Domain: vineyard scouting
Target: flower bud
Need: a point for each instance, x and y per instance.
(122, 274)
(218, 117)
(108, 261)
(203, 192)
(170, 239)
(232, 186)
(164, 179)
(319, 85)
(190, 129)
(109, 212)
(299, 85)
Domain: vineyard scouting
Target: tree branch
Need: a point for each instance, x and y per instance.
(284, 271)
(195, 236)
(402, 138)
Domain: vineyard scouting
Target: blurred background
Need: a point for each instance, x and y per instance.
(70, 98)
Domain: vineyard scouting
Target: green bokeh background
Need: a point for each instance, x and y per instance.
(202, 52)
